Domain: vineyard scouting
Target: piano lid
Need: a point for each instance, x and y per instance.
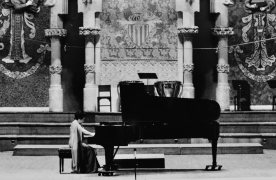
(138, 106)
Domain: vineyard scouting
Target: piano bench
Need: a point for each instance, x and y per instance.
(64, 152)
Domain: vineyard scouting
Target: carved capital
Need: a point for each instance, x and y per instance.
(188, 67)
(55, 69)
(55, 32)
(89, 68)
(223, 68)
(223, 31)
(89, 31)
(187, 30)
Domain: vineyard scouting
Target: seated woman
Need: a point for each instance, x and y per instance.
(84, 158)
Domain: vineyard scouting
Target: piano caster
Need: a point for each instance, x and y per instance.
(213, 167)
(106, 173)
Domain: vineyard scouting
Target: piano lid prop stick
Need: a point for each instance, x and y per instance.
(116, 151)
(135, 164)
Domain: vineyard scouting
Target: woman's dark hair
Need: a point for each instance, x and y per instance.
(79, 115)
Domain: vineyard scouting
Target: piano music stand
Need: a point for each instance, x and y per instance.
(148, 76)
(272, 85)
(242, 99)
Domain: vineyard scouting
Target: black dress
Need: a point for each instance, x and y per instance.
(88, 159)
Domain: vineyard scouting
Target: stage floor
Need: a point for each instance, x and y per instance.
(235, 167)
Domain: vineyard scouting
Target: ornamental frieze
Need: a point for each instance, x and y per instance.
(116, 71)
(55, 32)
(89, 31)
(223, 31)
(187, 30)
(188, 67)
(89, 68)
(55, 69)
(223, 68)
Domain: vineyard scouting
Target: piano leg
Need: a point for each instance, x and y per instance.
(214, 165)
(108, 169)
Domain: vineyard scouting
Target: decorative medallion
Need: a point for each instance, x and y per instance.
(255, 56)
(24, 53)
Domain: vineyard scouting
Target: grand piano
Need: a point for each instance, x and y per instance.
(153, 117)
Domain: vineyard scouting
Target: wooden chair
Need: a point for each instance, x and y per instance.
(273, 103)
(272, 85)
(104, 93)
(242, 98)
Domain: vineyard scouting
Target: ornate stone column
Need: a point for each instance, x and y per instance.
(223, 88)
(90, 91)
(56, 32)
(91, 30)
(186, 29)
(222, 31)
(188, 66)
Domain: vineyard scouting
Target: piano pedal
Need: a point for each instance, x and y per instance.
(107, 171)
(213, 167)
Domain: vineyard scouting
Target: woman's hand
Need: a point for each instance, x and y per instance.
(84, 145)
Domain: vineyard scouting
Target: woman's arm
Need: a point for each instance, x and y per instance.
(84, 131)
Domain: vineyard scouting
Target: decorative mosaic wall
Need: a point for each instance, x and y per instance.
(115, 71)
(24, 61)
(138, 36)
(253, 50)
